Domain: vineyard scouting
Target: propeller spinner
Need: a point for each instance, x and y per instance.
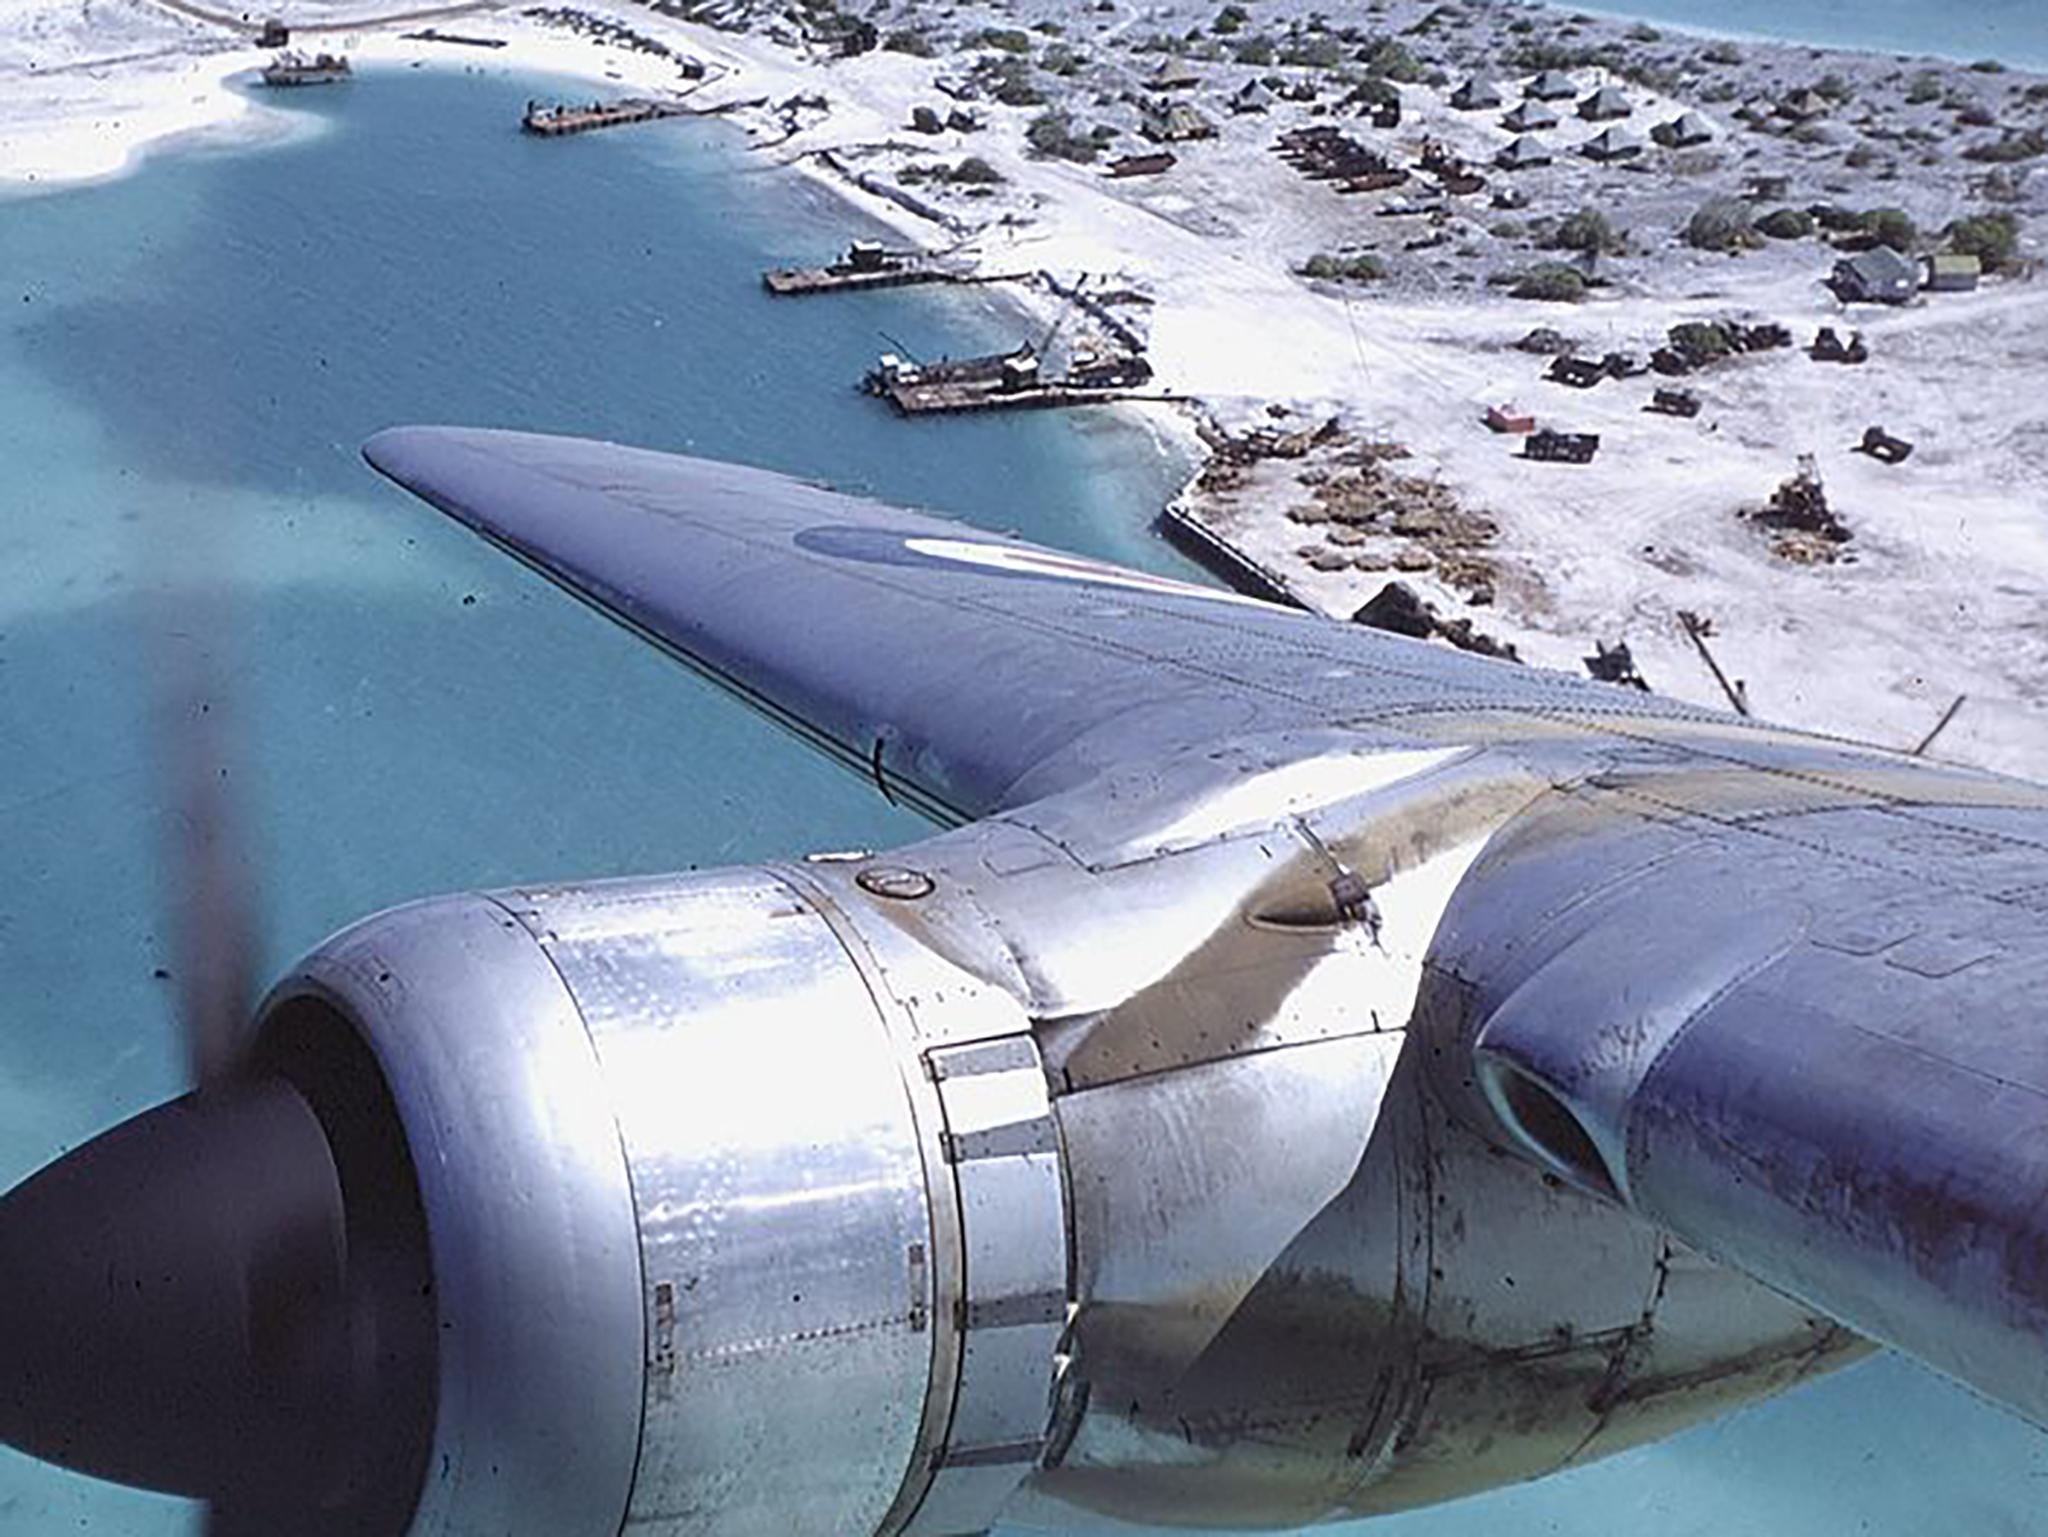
(229, 1296)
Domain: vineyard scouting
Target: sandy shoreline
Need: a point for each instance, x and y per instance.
(1947, 591)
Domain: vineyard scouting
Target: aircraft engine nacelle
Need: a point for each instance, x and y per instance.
(717, 1245)
(780, 1200)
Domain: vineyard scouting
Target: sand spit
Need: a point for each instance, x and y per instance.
(1285, 290)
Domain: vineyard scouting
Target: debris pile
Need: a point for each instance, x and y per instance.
(1615, 664)
(602, 29)
(1829, 348)
(1397, 609)
(1323, 153)
(1670, 401)
(1545, 342)
(1360, 507)
(1697, 344)
(1235, 451)
(1811, 532)
(1374, 519)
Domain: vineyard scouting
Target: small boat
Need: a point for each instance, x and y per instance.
(297, 69)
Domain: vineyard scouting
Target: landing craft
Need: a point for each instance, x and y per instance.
(1311, 1074)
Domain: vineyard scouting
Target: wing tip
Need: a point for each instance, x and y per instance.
(400, 453)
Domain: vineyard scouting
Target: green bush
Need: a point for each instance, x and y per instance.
(911, 41)
(1721, 224)
(975, 172)
(1786, 224)
(1586, 230)
(1552, 281)
(1362, 268)
(1255, 51)
(1701, 339)
(1312, 52)
(1532, 57)
(996, 37)
(1386, 59)
(1230, 19)
(1052, 134)
(1892, 226)
(1059, 59)
(1008, 79)
(1373, 93)
(1993, 238)
(2021, 144)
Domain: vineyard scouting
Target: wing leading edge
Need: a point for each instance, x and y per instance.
(981, 670)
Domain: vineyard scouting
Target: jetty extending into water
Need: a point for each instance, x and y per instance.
(553, 121)
(1008, 381)
(870, 264)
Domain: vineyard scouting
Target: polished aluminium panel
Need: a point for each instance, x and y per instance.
(781, 1192)
(1787, 1040)
(529, 1213)
(995, 1168)
(1291, 1304)
(1003, 1148)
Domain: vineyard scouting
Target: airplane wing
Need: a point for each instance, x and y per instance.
(1779, 994)
(984, 671)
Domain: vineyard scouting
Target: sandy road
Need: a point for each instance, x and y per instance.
(243, 20)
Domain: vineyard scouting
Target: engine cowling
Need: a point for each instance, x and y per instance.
(1046, 1161)
(718, 1246)
(885, 1196)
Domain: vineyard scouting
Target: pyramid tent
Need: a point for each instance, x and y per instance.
(1525, 152)
(1529, 115)
(1686, 129)
(1607, 102)
(1475, 94)
(1252, 96)
(1611, 144)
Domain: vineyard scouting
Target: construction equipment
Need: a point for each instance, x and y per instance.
(1552, 446)
(1883, 447)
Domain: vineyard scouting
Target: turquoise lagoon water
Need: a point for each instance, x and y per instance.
(188, 360)
(2011, 31)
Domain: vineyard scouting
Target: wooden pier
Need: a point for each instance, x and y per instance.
(962, 396)
(788, 282)
(867, 264)
(1008, 381)
(552, 122)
